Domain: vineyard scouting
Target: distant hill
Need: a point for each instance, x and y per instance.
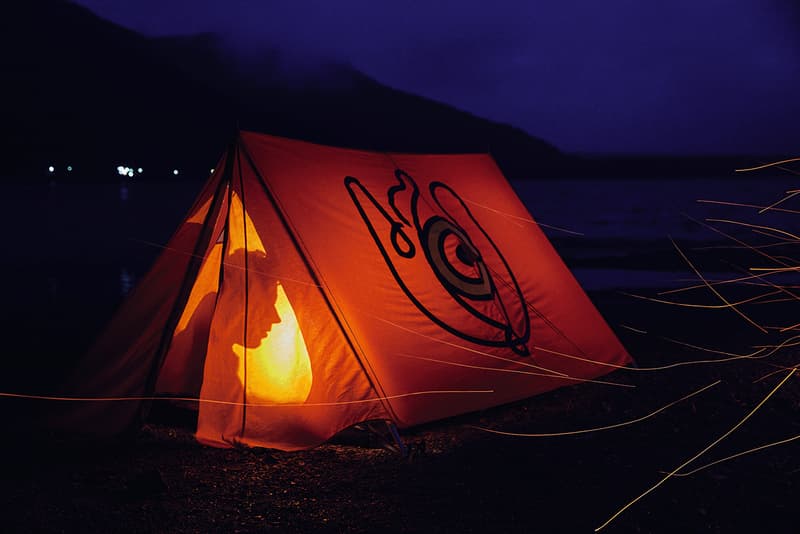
(85, 92)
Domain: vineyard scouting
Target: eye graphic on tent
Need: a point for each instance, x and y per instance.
(420, 237)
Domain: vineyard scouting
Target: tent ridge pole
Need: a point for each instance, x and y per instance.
(246, 289)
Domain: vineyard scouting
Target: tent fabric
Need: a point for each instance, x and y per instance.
(312, 288)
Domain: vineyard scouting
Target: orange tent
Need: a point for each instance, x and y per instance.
(311, 288)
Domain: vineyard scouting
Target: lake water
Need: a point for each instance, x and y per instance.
(618, 218)
(114, 230)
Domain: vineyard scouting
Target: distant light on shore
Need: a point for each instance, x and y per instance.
(175, 172)
(140, 170)
(212, 171)
(126, 171)
(51, 168)
(69, 168)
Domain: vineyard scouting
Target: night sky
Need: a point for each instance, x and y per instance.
(618, 76)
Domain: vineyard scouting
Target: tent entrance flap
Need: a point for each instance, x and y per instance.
(181, 373)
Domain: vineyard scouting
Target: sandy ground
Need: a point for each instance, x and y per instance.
(459, 478)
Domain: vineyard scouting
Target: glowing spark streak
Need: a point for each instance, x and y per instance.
(776, 270)
(716, 283)
(773, 236)
(633, 329)
(767, 285)
(468, 349)
(713, 289)
(738, 204)
(758, 227)
(515, 371)
(558, 228)
(773, 164)
(790, 342)
(781, 289)
(598, 429)
(657, 368)
(538, 313)
(754, 247)
(698, 455)
(733, 355)
(703, 306)
(733, 456)
(787, 258)
(780, 369)
(776, 301)
(524, 219)
(232, 403)
(743, 280)
(789, 195)
(720, 232)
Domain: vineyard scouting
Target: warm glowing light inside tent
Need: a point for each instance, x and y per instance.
(274, 365)
(204, 286)
(198, 215)
(254, 243)
(278, 369)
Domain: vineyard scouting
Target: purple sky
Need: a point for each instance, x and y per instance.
(679, 76)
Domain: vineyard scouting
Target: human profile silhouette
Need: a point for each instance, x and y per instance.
(271, 354)
(253, 352)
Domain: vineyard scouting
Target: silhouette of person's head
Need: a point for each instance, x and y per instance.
(262, 293)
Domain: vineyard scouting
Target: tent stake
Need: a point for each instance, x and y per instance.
(401, 446)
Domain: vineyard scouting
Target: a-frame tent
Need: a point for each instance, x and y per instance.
(311, 288)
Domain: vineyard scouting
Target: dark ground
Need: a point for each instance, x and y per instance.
(458, 478)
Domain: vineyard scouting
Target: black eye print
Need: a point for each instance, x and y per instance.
(466, 255)
(467, 263)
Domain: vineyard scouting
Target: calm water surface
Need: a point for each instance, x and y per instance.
(113, 231)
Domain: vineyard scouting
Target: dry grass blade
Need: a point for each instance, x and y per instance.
(698, 455)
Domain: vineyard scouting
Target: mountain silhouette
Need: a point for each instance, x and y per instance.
(85, 92)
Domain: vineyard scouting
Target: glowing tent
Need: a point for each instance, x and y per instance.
(311, 288)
